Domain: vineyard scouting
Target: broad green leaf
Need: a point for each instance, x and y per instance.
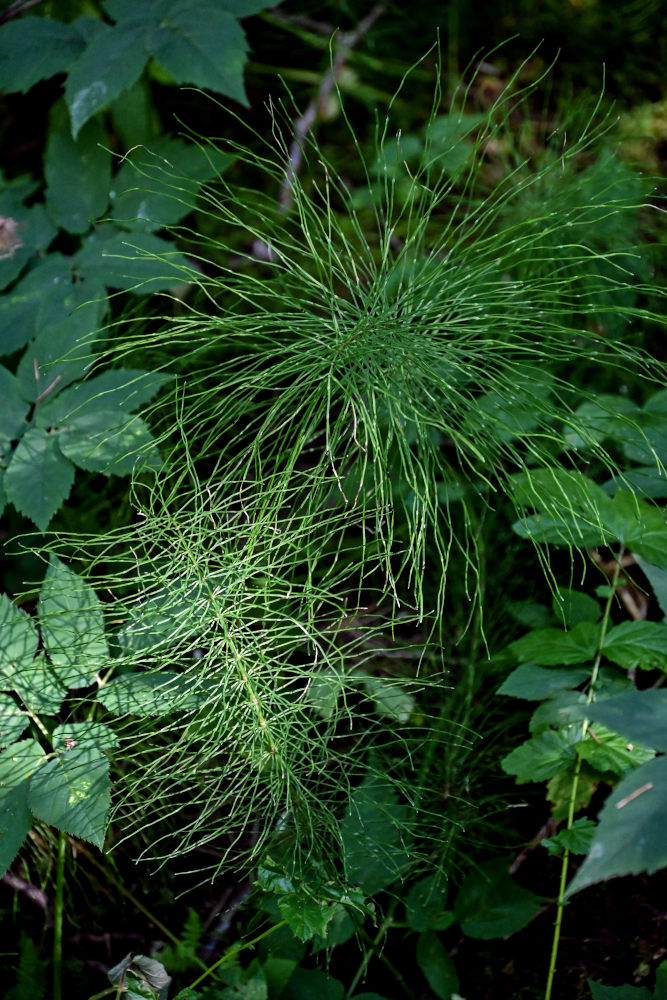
(536, 683)
(157, 185)
(555, 647)
(570, 507)
(559, 711)
(306, 917)
(25, 232)
(18, 638)
(425, 905)
(605, 750)
(148, 694)
(577, 839)
(372, 833)
(340, 928)
(305, 984)
(323, 691)
(117, 389)
(560, 789)
(657, 577)
(14, 408)
(645, 481)
(39, 686)
(17, 763)
(204, 45)
(572, 607)
(108, 441)
(110, 64)
(72, 626)
(35, 48)
(72, 792)
(601, 992)
(134, 116)
(60, 354)
(172, 614)
(13, 720)
(38, 478)
(78, 175)
(630, 837)
(437, 966)
(490, 904)
(542, 757)
(88, 733)
(604, 417)
(636, 715)
(390, 698)
(138, 262)
(277, 971)
(637, 644)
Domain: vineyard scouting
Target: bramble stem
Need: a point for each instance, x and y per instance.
(58, 918)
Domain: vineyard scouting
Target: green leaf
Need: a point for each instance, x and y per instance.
(605, 750)
(490, 904)
(425, 905)
(558, 712)
(172, 614)
(542, 757)
(436, 965)
(39, 686)
(14, 408)
(555, 647)
(204, 45)
(18, 638)
(122, 389)
(604, 417)
(72, 793)
(573, 607)
(157, 185)
(13, 721)
(390, 698)
(148, 694)
(534, 683)
(32, 229)
(78, 175)
(637, 644)
(576, 840)
(111, 63)
(637, 715)
(141, 976)
(560, 790)
(306, 917)
(657, 577)
(372, 836)
(91, 733)
(17, 763)
(138, 262)
(305, 984)
(33, 49)
(108, 441)
(72, 626)
(601, 992)
(323, 692)
(630, 837)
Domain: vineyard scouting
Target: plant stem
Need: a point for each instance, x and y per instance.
(384, 927)
(575, 782)
(58, 917)
(233, 951)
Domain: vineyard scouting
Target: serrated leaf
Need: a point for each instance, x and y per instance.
(138, 262)
(323, 691)
(636, 715)
(90, 733)
(491, 904)
(122, 389)
(605, 750)
(61, 353)
(372, 835)
(111, 63)
(605, 416)
(536, 683)
(33, 230)
(307, 918)
(390, 698)
(577, 839)
(630, 837)
(17, 763)
(425, 905)
(38, 478)
(560, 711)
(572, 607)
(108, 441)
(38, 686)
(541, 757)
(555, 647)
(18, 638)
(34, 49)
(157, 184)
(14, 408)
(72, 792)
(72, 626)
(657, 577)
(172, 614)
(437, 966)
(205, 46)
(78, 175)
(150, 693)
(560, 789)
(13, 721)
(637, 644)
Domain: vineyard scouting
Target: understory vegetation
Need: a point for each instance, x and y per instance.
(333, 454)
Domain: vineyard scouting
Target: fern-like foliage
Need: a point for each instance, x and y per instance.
(341, 412)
